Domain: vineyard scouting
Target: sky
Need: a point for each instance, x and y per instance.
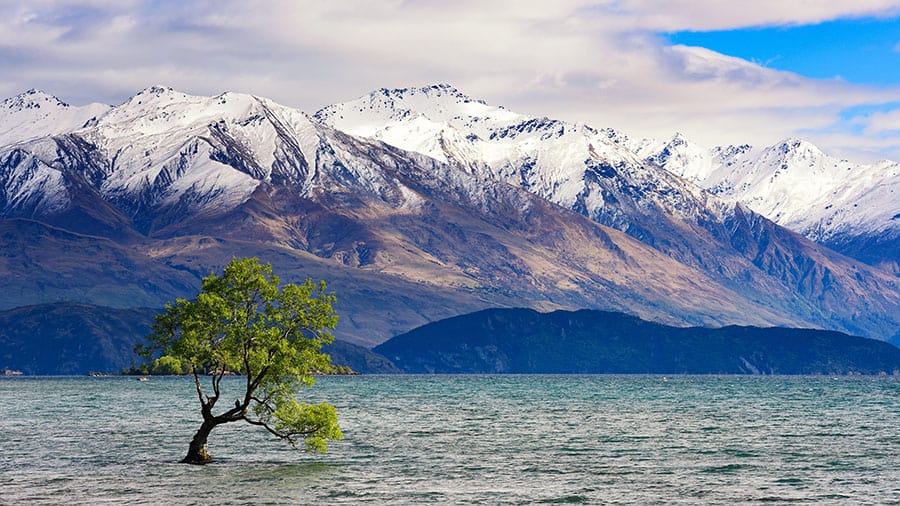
(719, 72)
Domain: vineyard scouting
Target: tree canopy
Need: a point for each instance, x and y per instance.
(243, 322)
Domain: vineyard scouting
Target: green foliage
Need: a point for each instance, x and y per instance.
(246, 323)
(168, 365)
(315, 423)
(339, 370)
(165, 365)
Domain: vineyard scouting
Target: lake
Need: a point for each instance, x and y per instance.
(466, 440)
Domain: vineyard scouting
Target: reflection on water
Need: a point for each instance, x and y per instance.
(466, 440)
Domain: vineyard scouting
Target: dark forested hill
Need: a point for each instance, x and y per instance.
(70, 338)
(588, 341)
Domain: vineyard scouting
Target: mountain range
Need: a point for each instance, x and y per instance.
(832, 201)
(415, 205)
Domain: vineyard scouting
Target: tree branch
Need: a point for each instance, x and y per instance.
(264, 403)
(258, 380)
(232, 415)
(289, 436)
(249, 374)
(197, 385)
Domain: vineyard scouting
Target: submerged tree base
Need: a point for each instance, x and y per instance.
(198, 453)
(197, 459)
(197, 456)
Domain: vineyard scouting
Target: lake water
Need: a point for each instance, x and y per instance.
(466, 440)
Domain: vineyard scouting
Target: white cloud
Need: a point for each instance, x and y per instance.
(700, 15)
(881, 122)
(859, 148)
(578, 60)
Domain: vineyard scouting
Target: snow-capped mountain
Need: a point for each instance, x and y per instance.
(424, 194)
(37, 114)
(163, 156)
(160, 149)
(597, 173)
(832, 201)
(592, 172)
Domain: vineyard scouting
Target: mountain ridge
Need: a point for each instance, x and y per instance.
(35, 113)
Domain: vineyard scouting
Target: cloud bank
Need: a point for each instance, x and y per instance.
(602, 63)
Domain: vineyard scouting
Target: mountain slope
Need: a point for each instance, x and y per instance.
(592, 342)
(71, 338)
(45, 264)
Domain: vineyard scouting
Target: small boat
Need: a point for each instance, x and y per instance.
(143, 378)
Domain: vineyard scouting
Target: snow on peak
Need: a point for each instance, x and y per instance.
(795, 146)
(216, 150)
(679, 155)
(427, 109)
(160, 110)
(731, 151)
(437, 96)
(33, 99)
(156, 89)
(793, 183)
(569, 164)
(439, 90)
(35, 113)
(614, 136)
(679, 139)
(152, 95)
(443, 123)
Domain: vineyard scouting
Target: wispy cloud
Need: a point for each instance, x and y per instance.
(882, 122)
(703, 15)
(574, 59)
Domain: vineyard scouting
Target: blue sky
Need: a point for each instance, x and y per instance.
(719, 72)
(865, 51)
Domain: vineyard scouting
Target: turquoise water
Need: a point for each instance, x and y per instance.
(467, 440)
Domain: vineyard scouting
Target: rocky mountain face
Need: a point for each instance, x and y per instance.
(490, 208)
(851, 207)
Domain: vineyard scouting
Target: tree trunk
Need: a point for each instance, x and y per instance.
(197, 452)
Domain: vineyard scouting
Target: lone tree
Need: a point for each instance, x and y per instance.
(242, 322)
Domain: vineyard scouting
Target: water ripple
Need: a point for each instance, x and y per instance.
(466, 440)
